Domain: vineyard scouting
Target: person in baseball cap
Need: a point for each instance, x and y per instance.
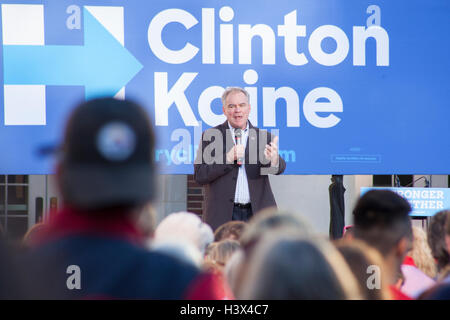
(106, 158)
(95, 245)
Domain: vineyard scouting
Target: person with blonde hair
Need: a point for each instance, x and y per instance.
(232, 270)
(232, 230)
(267, 221)
(291, 267)
(364, 261)
(418, 260)
(421, 253)
(218, 254)
(272, 219)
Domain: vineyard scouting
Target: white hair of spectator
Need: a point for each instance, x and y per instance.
(182, 227)
(186, 252)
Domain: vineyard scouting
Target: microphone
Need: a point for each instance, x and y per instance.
(238, 136)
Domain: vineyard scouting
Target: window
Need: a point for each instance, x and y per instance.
(14, 205)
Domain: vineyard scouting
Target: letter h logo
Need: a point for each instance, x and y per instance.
(102, 65)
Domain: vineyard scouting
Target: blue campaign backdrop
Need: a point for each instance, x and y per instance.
(387, 115)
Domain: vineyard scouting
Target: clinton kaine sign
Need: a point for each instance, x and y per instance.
(350, 87)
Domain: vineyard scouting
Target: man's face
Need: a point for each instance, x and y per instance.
(237, 109)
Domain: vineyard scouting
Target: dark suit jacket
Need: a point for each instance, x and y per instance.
(220, 177)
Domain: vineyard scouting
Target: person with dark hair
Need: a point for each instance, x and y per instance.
(446, 271)
(381, 219)
(440, 245)
(95, 246)
(436, 239)
(231, 230)
(12, 284)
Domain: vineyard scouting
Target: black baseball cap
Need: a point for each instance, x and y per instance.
(106, 156)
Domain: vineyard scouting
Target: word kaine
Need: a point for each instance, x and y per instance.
(197, 310)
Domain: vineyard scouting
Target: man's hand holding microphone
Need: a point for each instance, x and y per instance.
(238, 151)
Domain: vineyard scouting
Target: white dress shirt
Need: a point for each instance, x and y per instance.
(242, 194)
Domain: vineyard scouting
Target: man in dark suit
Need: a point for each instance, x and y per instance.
(233, 161)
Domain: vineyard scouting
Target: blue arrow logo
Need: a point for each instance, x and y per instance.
(103, 66)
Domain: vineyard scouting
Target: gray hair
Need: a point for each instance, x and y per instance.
(184, 227)
(229, 90)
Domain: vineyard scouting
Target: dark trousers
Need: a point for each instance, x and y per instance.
(242, 214)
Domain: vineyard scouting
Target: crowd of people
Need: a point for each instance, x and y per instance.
(105, 242)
